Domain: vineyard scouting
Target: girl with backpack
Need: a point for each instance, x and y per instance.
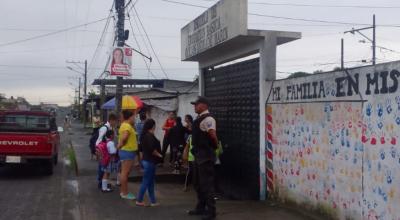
(108, 159)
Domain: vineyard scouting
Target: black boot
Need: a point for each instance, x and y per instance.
(196, 212)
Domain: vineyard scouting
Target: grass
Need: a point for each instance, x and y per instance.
(71, 156)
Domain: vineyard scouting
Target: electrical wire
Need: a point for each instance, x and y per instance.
(140, 33)
(326, 6)
(143, 39)
(184, 3)
(137, 42)
(51, 33)
(151, 45)
(319, 5)
(289, 18)
(101, 38)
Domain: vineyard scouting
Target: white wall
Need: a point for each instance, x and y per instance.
(184, 106)
(159, 116)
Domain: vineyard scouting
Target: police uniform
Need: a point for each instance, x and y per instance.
(204, 172)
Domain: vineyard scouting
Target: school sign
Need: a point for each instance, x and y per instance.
(225, 20)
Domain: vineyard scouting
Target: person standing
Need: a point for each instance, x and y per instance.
(150, 150)
(188, 125)
(107, 159)
(139, 125)
(127, 147)
(205, 142)
(177, 141)
(169, 123)
(102, 130)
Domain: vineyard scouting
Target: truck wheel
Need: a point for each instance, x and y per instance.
(48, 167)
(56, 159)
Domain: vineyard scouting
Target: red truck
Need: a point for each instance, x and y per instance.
(29, 137)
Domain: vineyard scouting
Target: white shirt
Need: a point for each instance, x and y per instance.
(102, 132)
(208, 123)
(111, 147)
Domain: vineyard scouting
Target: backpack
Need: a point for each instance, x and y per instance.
(94, 137)
(103, 154)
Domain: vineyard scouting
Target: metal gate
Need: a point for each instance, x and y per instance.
(234, 95)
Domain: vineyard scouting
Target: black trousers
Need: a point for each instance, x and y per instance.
(165, 146)
(189, 174)
(203, 182)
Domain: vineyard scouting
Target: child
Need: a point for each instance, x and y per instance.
(108, 159)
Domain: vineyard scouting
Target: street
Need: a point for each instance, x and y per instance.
(28, 194)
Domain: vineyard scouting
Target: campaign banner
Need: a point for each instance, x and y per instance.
(121, 62)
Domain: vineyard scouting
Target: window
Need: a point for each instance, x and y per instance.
(24, 123)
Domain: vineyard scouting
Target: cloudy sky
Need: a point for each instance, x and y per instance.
(37, 69)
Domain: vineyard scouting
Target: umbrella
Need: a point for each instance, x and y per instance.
(110, 105)
(128, 102)
(131, 102)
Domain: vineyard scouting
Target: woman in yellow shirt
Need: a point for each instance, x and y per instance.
(127, 146)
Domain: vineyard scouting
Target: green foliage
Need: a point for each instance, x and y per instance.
(298, 74)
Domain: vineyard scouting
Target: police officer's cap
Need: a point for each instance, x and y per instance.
(201, 99)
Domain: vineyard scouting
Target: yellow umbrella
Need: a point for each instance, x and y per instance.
(131, 102)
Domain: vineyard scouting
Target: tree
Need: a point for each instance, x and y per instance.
(318, 71)
(298, 74)
(337, 68)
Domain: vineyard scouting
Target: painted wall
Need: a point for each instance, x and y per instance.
(332, 142)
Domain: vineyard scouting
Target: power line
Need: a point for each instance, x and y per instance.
(289, 18)
(151, 45)
(138, 28)
(51, 33)
(326, 6)
(43, 50)
(101, 37)
(184, 3)
(137, 42)
(320, 5)
(308, 20)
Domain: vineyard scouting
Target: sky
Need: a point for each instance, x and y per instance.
(37, 69)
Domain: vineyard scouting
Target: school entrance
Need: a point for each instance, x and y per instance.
(216, 39)
(233, 92)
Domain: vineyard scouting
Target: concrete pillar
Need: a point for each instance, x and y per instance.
(267, 73)
(201, 81)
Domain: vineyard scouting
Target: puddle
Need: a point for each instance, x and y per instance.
(73, 186)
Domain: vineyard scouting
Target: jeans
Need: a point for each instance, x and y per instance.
(100, 174)
(126, 155)
(148, 181)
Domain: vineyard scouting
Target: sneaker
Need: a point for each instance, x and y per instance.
(106, 190)
(154, 204)
(128, 196)
(141, 204)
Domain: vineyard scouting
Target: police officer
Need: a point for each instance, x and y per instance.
(204, 141)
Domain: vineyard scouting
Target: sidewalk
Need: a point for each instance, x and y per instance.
(174, 202)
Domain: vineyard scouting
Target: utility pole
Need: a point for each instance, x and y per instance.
(120, 8)
(79, 98)
(85, 96)
(102, 99)
(342, 55)
(84, 74)
(373, 40)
